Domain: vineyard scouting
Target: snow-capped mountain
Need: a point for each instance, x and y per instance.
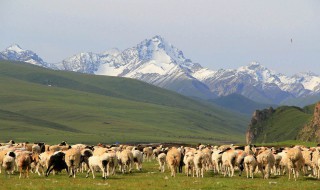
(16, 53)
(158, 62)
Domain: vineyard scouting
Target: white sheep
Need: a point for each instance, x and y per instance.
(125, 160)
(265, 162)
(199, 163)
(137, 158)
(250, 164)
(188, 160)
(216, 159)
(147, 151)
(9, 162)
(162, 161)
(72, 159)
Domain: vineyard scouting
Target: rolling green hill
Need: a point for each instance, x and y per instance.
(239, 103)
(37, 104)
(281, 124)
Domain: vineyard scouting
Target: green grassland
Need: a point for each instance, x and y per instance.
(37, 104)
(151, 178)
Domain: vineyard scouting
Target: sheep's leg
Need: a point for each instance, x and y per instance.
(232, 170)
(20, 173)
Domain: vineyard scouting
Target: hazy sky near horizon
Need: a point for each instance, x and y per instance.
(223, 34)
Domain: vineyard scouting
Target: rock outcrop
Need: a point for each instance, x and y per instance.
(311, 131)
(255, 128)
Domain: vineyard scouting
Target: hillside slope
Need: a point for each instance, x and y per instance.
(239, 103)
(281, 124)
(41, 104)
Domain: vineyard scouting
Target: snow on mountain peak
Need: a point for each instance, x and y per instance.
(15, 48)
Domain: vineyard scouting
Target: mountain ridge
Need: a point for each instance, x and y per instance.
(158, 62)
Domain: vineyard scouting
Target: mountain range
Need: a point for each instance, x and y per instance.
(158, 62)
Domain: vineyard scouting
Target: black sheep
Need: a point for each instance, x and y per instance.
(57, 163)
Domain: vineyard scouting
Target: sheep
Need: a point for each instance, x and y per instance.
(57, 162)
(216, 159)
(250, 164)
(162, 161)
(9, 162)
(35, 161)
(84, 159)
(43, 161)
(98, 162)
(2, 155)
(239, 160)
(228, 161)
(62, 147)
(307, 156)
(207, 158)
(99, 151)
(147, 151)
(316, 164)
(189, 163)
(126, 160)
(137, 158)
(173, 160)
(72, 159)
(112, 163)
(105, 162)
(265, 162)
(24, 163)
(295, 161)
(36, 148)
(199, 163)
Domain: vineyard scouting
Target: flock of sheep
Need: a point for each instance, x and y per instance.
(43, 159)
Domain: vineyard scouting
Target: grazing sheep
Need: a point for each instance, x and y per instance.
(316, 164)
(173, 160)
(189, 163)
(36, 148)
(112, 162)
(162, 161)
(147, 152)
(295, 161)
(43, 162)
(228, 161)
(99, 151)
(57, 163)
(240, 160)
(105, 162)
(250, 164)
(126, 161)
(84, 159)
(265, 162)
(98, 162)
(9, 162)
(137, 158)
(24, 163)
(2, 155)
(199, 163)
(72, 159)
(216, 159)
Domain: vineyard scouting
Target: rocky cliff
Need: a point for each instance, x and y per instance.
(311, 131)
(256, 126)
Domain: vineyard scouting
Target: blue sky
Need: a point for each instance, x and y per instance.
(217, 34)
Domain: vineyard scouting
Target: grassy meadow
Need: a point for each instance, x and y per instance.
(37, 104)
(151, 178)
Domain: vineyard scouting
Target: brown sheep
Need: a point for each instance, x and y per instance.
(173, 160)
(24, 163)
(72, 159)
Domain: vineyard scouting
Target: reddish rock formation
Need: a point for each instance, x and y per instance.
(311, 131)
